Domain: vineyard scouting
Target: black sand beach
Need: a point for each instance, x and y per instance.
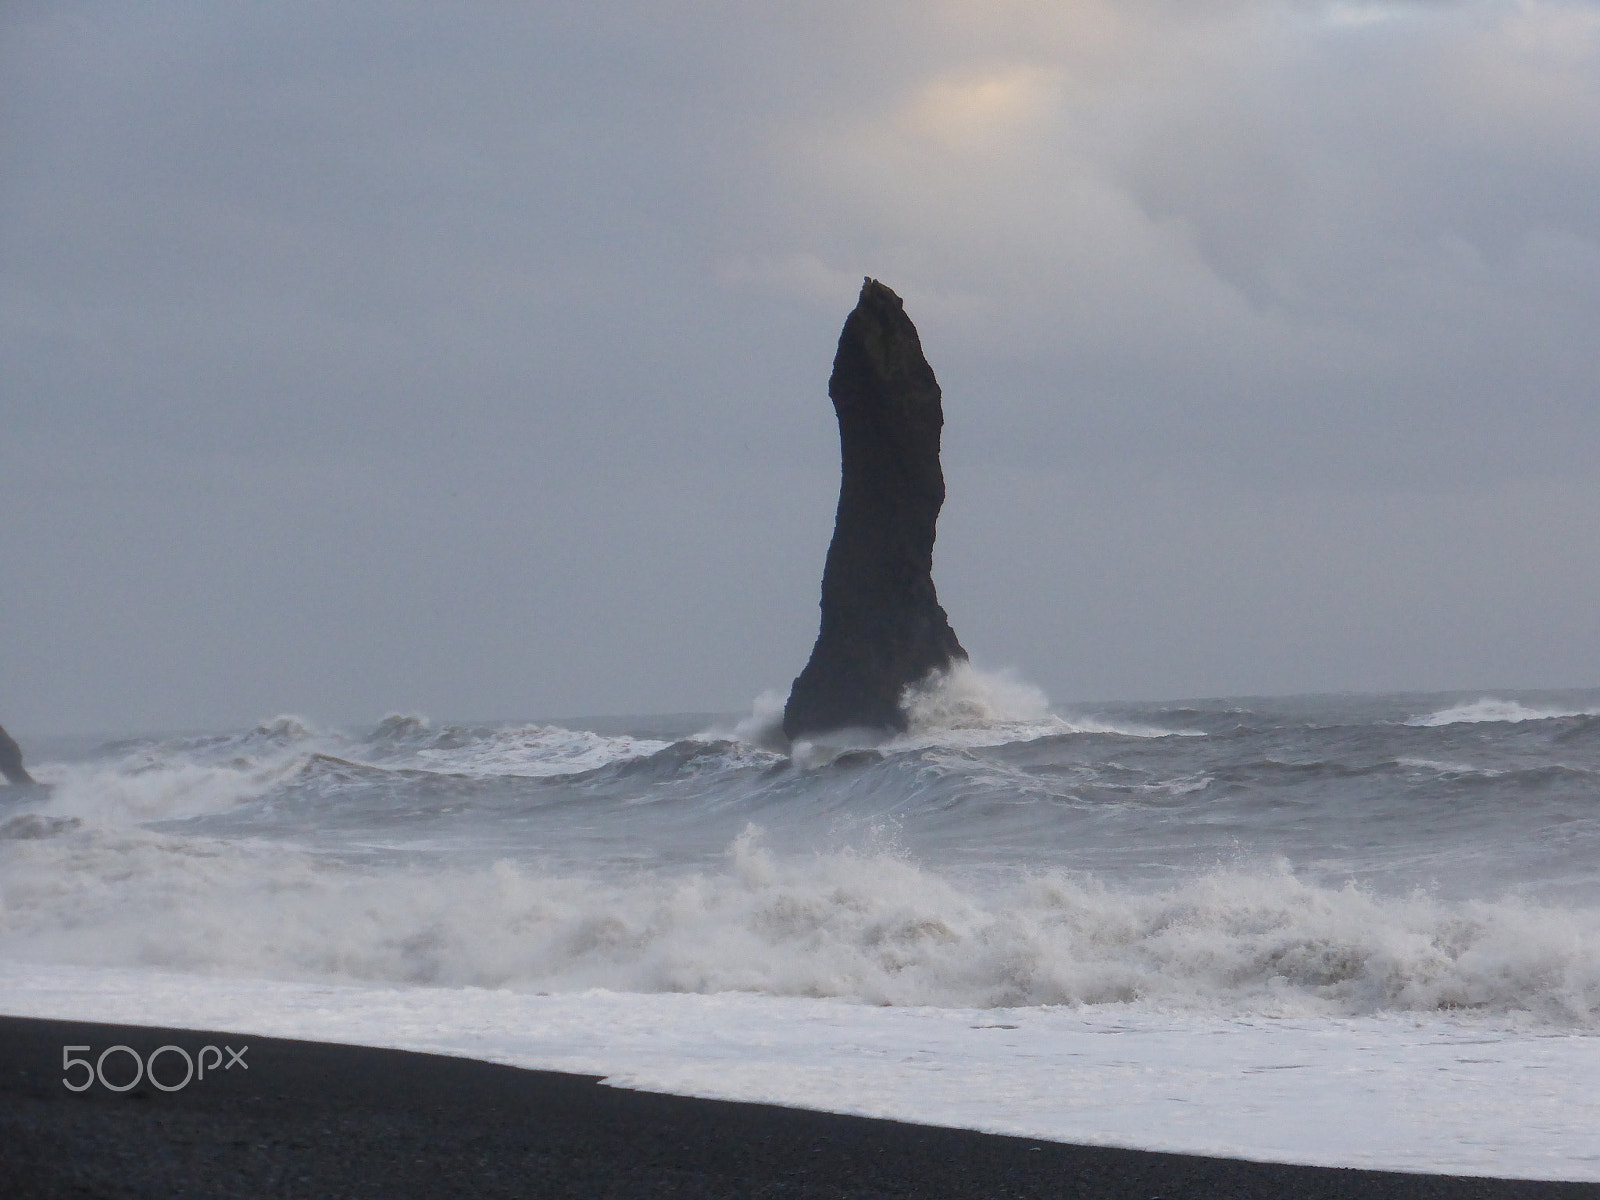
(315, 1120)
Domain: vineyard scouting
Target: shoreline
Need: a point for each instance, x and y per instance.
(298, 1118)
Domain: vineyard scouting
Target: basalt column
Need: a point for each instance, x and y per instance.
(882, 627)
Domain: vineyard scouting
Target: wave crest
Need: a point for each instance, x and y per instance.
(1489, 708)
(870, 927)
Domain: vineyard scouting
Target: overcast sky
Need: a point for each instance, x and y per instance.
(471, 359)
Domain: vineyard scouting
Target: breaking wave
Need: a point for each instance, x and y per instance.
(964, 706)
(175, 778)
(1491, 709)
(532, 751)
(870, 927)
(971, 706)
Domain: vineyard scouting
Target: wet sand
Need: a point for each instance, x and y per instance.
(310, 1119)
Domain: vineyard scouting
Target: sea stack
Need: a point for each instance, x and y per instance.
(882, 627)
(11, 760)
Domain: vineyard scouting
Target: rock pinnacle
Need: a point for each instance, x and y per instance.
(882, 628)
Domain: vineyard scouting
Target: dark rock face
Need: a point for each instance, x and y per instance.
(882, 627)
(11, 760)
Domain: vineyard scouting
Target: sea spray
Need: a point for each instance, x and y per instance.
(1490, 709)
(871, 927)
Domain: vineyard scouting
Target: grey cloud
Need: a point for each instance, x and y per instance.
(472, 358)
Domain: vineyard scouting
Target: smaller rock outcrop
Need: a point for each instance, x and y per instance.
(882, 628)
(11, 761)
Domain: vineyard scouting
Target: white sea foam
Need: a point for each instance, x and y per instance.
(531, 751)
(1398, 1093)
(762, 727)
(966, 696)
(1491, 709)
(1405, 1093)
(964, 707)
(187, 777)
(171, 790)
(184, 777)
(1443, 767)
(866, 927)
(971, 706)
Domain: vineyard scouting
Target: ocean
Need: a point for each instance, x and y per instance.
(1345, 930)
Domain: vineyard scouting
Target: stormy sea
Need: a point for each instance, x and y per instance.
(1341, 930)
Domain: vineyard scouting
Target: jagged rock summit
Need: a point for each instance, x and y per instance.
(882, 627)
